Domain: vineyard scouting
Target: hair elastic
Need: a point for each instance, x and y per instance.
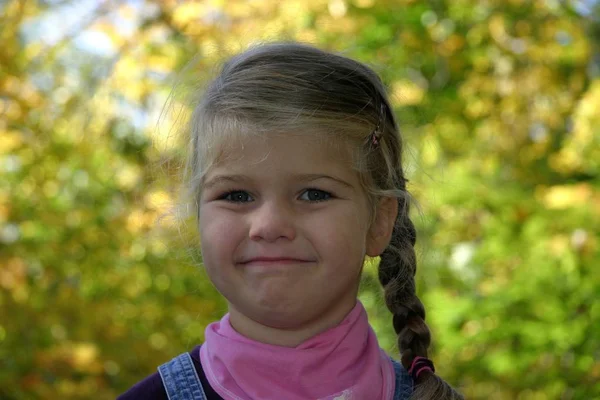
(375, 138)
(378, 131)
(418, 365)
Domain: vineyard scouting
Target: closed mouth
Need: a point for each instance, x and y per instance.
(274, 261)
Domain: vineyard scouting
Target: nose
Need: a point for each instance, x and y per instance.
(272, 221)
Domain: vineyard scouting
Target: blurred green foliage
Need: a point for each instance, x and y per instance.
(499, 102)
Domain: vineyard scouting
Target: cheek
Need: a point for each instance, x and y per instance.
(218, 243)
(343, 229)
(219, 231)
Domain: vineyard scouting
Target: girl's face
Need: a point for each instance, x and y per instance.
(284, 226)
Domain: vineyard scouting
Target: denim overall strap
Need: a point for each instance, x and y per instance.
(180, 379)
(404, 383)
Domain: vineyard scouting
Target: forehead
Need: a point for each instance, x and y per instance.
(282, 152)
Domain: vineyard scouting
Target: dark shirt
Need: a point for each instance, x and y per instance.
(151, 388)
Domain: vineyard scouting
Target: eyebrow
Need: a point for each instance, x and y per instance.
(221, 179)
(238, 179)
(314, 177)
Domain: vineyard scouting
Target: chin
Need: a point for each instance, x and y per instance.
(279, 315)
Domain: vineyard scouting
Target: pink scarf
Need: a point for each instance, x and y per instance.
(342, 363)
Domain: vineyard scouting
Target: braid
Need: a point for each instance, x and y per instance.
(397, 270)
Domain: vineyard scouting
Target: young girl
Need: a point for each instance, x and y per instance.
(296, 171)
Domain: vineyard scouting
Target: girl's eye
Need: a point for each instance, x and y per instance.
(236, 196)
(315, 195)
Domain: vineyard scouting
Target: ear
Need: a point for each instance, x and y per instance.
(382, 227)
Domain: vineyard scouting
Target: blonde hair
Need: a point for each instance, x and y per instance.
(280, 88)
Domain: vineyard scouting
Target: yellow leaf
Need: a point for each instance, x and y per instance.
(405, 92)
(84, 354)
(157, 199)
(560, 197)
(10, 141)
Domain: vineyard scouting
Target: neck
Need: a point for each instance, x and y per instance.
(291, 337)
(341, 362)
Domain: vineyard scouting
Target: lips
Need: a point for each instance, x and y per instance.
(274, 261)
